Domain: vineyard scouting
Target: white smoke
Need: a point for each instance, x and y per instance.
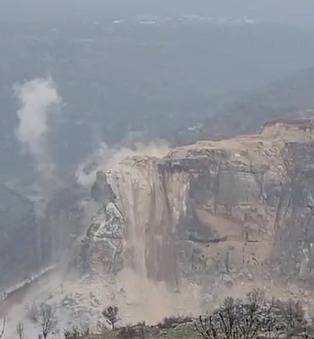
(39, 101)
(106, 158)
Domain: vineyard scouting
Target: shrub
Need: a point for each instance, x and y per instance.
(170, 322)
(252, 318)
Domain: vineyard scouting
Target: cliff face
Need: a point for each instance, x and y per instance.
(176, 234)
(235, 209)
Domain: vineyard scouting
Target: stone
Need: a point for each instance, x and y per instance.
(241, 207)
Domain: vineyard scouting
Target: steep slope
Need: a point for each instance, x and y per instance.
(176, 234)
(237, 207)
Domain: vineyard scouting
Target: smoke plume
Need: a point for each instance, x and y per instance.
(39, 100)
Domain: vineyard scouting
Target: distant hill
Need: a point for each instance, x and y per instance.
(291, 97)
(152, 79)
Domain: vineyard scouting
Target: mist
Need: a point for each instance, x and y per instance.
(156, 156)
(291, 12)
(39, 102)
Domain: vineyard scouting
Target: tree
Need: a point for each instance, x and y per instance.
(110, 313)
(76, 333)
(20, 330)
(252, 317)
(292, 312)
(290, 315)
(221, 324)
(45, 317)
(2, 330)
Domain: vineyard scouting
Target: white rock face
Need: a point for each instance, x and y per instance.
(149, 205)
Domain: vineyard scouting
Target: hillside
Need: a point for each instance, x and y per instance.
(174, 234)
(288, 98)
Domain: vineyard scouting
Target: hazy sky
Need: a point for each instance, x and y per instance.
(296, 12)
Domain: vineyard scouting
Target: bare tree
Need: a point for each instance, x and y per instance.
(20, 330)
(133, 331)
(3, 327)
(221, 324)
(110, 313)
(292, 313)
(253, 317)
(206, 327)
(45, 317)
(74, 333)
(290, 316)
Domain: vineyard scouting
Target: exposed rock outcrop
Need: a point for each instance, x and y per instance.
(176, 234)
(241, 207)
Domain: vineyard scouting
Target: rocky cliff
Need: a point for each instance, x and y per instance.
(240, 208)
(176, 234)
